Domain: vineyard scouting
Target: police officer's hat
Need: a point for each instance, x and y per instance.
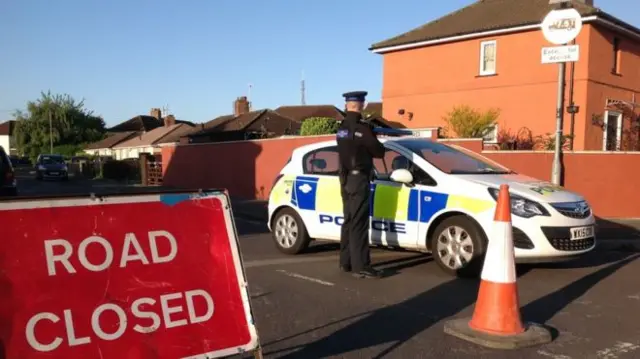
(357, 96)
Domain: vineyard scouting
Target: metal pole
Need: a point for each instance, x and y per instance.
(557, 166)
(572, 77)
(50, 133)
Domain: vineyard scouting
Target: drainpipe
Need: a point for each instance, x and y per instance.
(571, 104)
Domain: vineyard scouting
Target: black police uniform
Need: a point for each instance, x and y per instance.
(357, 146)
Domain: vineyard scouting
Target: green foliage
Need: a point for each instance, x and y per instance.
(71, 124)
(315, 126)
(466, 122)
(70, 150)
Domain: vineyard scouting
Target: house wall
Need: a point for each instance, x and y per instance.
(5, 142)
(123, 153)
(247, 169)
(430, 81)
(623, 85)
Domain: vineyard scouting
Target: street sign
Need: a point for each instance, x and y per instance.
(136, 276)
(561, 26)
(557, 54)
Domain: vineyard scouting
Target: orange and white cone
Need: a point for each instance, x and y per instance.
(497, 309)
(496, 321)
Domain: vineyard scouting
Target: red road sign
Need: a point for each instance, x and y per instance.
(135, 277)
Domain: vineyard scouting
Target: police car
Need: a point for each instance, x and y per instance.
(430, 197)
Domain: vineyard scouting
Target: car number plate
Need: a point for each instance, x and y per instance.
(581, 233)
(53, 173)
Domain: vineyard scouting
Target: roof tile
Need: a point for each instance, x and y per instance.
(112, 140)
(486, 15)
(151, 137)
(7, 127)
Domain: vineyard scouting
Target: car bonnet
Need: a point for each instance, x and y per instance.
(527, 187)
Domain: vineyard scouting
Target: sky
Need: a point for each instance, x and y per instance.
(123, 57)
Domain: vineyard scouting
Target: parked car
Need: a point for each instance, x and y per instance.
(429, 197)
(8, 182)
(51, 167)
(17, 161)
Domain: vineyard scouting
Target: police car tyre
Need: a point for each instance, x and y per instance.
(289, 233)
(458, 246)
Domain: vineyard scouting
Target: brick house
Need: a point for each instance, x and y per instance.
(488, 54)
(243, 124)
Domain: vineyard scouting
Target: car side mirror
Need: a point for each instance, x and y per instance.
(402, 176)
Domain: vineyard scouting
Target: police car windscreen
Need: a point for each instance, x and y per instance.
(451, 160)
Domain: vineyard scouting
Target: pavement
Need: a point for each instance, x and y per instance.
(305, 308)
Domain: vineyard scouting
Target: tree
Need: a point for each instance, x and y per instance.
(316, 126)
(467, 122)
(71, 125)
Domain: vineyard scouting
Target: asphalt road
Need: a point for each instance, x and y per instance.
(305, 308)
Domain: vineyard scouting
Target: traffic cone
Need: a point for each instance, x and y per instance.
(496, 320)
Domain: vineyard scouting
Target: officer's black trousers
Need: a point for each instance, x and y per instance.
(354, 239)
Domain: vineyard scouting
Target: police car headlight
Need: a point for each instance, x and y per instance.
(522, 207)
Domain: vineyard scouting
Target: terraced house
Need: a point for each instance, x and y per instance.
(488, 54)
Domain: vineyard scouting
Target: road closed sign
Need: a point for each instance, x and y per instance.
(135, 277)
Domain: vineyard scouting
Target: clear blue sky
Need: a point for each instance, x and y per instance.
(126, 56)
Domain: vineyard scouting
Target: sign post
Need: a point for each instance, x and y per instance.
(560, 27)
(137, 276)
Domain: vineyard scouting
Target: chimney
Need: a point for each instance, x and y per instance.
(240, 106)
(169, 120)
(156, 112)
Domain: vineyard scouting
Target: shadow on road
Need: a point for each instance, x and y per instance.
(545, 308)
(629, 229)
(401, 322)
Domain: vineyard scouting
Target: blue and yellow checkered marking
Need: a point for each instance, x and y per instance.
(304, 192)
(393, 202)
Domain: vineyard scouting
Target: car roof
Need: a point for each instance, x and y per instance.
(48, 155)
(400, 140)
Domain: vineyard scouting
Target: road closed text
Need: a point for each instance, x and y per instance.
(48, 330)
(148, 316)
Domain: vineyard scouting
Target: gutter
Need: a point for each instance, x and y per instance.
(586, 19)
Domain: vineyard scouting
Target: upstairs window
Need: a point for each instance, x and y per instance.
(488, 58)
(615, 69)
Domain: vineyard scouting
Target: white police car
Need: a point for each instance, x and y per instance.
(429, 197)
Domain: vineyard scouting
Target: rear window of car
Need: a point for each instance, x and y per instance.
(48, 160)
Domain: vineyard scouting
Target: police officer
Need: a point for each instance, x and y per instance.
(357, 146)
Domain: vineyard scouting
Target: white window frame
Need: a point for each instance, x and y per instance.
(619, 116)
(483, 45)
(493, 134)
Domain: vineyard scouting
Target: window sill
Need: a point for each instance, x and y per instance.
(486, 75)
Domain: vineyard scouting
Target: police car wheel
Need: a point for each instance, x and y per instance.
(458, 246)
(289, 233)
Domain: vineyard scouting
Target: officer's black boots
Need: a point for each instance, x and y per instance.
(368, 272)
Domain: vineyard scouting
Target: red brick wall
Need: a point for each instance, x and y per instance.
(608, 180)
(247, 169)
